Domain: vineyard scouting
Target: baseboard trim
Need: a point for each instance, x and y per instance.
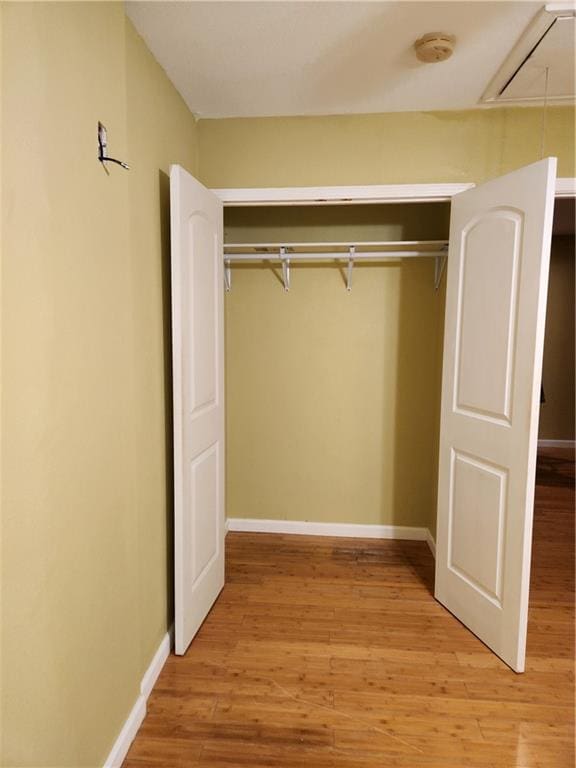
(431, 542)
(308, 528)
(556, 443)
(138, 712)
(127, 734)
(156, 665)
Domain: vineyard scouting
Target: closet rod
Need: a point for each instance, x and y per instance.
(350, 255)
(335, 256)
(435, 244)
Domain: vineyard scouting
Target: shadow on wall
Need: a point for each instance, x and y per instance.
(417, 392)
(164, 203)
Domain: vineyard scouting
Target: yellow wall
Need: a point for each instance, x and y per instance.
(557, 413)
(336, 223)
(85, 396)
(331, 395)
(381, 149)
(161, 131)
(328, 418)
(333, 399)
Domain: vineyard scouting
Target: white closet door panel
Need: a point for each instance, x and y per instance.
(198, 371)
(495, 311)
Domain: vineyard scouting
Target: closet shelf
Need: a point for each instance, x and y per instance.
(336, 251)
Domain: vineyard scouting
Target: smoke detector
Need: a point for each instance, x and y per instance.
(434, 47)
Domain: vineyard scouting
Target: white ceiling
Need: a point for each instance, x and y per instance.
(241, 59)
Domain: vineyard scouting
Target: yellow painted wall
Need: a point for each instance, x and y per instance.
(557, 413)
(336, 223)
(394, 148)
(85, 390)
(161, 131)
(333, 399)
(331, 395)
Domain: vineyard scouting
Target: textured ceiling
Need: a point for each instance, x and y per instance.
(303, 58)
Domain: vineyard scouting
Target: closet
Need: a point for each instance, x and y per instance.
(333, 389)
(496, 276)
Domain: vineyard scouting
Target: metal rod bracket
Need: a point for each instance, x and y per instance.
(227, 275)
(350, 268)
(439, 266)
(285, 269)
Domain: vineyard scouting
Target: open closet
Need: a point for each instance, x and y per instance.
(491, 333)
(333, 387)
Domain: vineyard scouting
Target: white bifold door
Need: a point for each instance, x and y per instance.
(198, 384)
(497, 282)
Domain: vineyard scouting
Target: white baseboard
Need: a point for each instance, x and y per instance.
(431, 542)
(307, 528)
(556, 443)
(138, 712)
(151, 674)
(127, 734)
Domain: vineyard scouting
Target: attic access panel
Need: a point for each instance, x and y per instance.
(548, 43)
(555, 51)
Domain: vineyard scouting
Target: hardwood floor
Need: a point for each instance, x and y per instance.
(332, 653)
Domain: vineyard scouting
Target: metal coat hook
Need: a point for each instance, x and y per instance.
(103, 149)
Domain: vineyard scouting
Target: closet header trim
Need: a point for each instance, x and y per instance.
(374, 193)
(379, 193)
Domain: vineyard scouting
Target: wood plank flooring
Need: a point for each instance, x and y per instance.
(332, 653)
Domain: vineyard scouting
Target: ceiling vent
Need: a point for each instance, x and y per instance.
(541, 64)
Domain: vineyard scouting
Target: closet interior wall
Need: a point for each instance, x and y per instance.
(557, 414)
(333, 397)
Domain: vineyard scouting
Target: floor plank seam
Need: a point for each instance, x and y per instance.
(336, 711)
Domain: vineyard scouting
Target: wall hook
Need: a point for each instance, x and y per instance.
(103, 149)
